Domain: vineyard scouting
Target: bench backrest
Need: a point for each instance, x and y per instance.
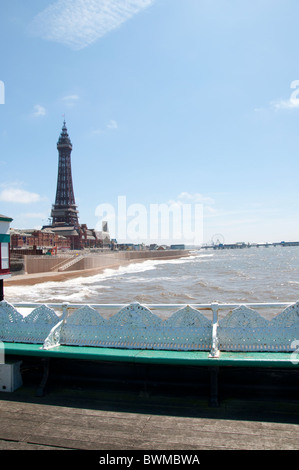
(135, 326)
(245, 329)
(33, 328)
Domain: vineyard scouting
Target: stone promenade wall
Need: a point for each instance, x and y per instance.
(42, 264)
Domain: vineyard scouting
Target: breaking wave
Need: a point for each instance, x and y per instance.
(248, 275)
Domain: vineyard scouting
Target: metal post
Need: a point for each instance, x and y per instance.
(64, 310)
(214, 353)
(46, 369)
(1, 290)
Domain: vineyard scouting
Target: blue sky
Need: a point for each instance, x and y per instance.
(164, 100)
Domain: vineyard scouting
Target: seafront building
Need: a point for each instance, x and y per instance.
(64, 232)
(40, 241)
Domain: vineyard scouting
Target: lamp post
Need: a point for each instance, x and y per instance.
(4, 251)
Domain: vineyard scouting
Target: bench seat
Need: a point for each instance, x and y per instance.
(188, 358)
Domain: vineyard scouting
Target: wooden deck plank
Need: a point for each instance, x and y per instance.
(117, 441)
(92, 418)
(152, 424)
(73, 428)
(12, 445)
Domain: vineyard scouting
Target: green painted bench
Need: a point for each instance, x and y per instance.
(135, 335)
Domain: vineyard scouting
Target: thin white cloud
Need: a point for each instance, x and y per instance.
(278, 105)
(196, 198)
(18, 196)
(38, 111)
(291, 103)
(78, 23)
(112, 125)
(96, 131)
(70, 98)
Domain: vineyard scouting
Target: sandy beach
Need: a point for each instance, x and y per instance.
(41, 277)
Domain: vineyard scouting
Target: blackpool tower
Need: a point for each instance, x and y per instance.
(64, 211)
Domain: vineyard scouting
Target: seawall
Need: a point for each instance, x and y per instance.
(55, 268)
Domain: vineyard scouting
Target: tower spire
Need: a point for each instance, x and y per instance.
(64, 211)
(64, 137)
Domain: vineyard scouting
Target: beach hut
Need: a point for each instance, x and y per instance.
(4, 251)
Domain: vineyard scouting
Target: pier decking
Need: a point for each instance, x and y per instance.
(106, 414)
(32, 426)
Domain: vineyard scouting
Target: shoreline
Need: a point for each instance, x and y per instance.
(42, 277)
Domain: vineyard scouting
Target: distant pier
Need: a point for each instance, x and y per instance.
(234, 246)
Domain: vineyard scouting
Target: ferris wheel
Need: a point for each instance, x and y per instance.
(217, 239)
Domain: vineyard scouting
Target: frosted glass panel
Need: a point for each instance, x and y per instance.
(4, 256)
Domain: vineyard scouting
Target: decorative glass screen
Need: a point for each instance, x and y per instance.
(4, 256)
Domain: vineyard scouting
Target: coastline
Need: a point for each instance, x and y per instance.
(50, 276)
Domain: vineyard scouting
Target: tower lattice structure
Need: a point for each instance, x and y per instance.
(64, 211)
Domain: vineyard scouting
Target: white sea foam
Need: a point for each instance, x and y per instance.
(73, 290)
(252, 275)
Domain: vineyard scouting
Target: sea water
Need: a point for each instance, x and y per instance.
(248, 275)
